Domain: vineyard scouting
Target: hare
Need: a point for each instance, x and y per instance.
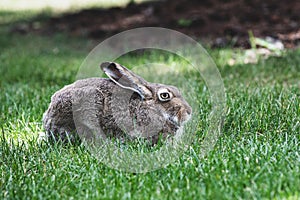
(122, 105)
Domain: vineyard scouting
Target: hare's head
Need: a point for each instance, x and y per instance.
(165, 102)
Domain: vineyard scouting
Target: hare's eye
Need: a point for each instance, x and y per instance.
(164, 95)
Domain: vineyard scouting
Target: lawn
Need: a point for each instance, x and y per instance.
(257, 157)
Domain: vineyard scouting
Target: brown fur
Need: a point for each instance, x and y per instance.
(124, 109)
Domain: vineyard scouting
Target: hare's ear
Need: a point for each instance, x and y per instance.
(126, 79)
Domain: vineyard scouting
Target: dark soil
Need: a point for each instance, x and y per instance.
(221, 22)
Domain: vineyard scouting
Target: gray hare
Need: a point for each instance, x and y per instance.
(123, 105)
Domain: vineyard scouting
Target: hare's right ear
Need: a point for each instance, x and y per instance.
(126, 79)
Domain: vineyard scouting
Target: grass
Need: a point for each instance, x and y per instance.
(257, 157)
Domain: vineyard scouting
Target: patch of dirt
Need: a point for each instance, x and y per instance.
(220, 22)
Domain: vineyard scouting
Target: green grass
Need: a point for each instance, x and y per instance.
(257, 157)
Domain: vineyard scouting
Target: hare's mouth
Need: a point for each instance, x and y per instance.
(180, 118)
(174, 121)
(177, 119)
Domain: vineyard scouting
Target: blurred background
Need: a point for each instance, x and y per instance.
(218, 23)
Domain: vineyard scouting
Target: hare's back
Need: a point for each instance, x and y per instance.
(78, 96)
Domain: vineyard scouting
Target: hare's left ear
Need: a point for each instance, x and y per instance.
(126, 79)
